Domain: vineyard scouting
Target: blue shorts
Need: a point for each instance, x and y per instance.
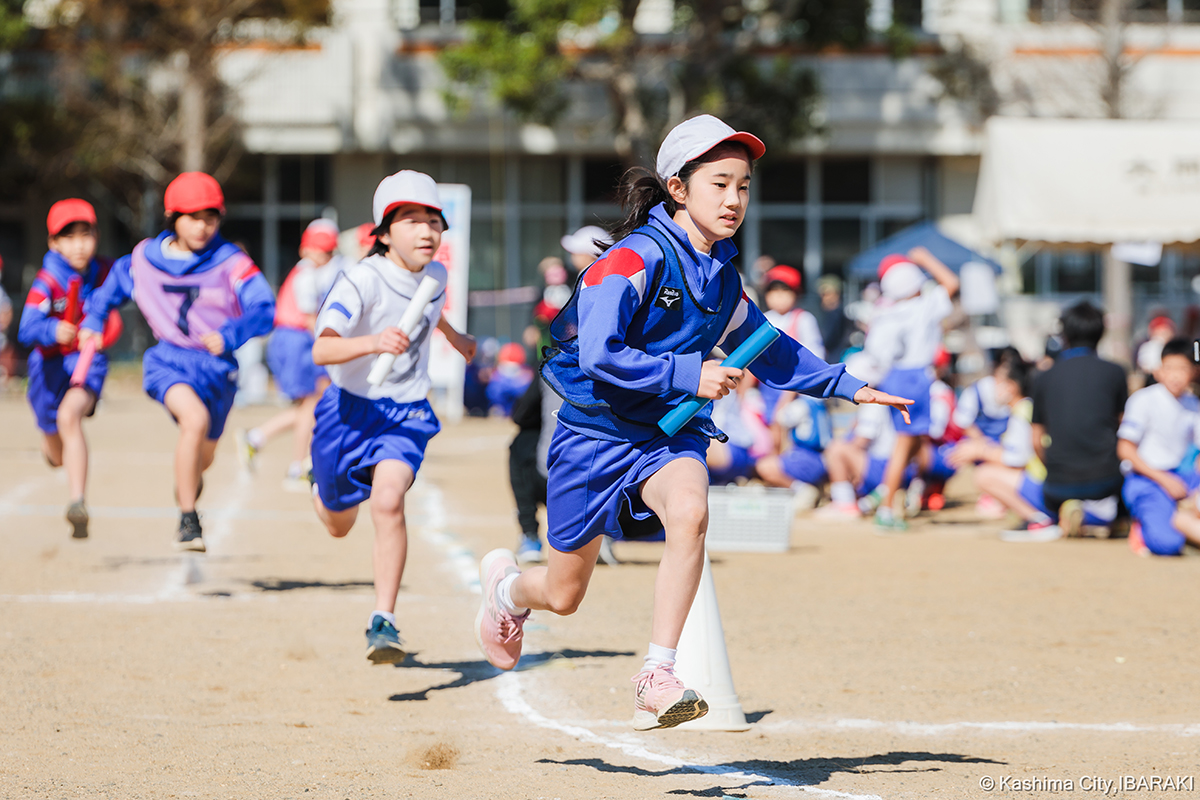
(212, 378)
(594, 485)
(289, 356)
(741, 465)
(804, 465)
(939, 470)
(1150, 505)
(352, 434)
(1034, 493)
(876, 470)
(913, 384)
(49, 380)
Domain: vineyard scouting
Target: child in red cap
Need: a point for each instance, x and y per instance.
(70, 273)
(203, 298)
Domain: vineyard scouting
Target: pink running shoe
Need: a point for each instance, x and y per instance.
(661, 701)
(498, 633)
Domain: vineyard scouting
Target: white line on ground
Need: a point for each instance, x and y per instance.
(509, 693)
(8, 509)
(937, 729)
(432, 524)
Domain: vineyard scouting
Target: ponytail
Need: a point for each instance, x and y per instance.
(642, 189)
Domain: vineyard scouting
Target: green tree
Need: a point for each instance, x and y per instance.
(733, 58)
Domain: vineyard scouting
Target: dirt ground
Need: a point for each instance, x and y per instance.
(911, 666)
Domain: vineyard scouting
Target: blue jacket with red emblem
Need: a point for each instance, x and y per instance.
(49, 297)
(629, 345)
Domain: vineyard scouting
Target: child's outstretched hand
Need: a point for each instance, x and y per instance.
(869, 395)
(392, 340)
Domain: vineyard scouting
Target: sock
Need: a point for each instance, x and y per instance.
(255, 438)
(388, 615)
(1041, 519)
(504, 595)
(843, 493)
(296, 469)
(658, 655)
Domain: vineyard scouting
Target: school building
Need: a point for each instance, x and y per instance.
(322, 123)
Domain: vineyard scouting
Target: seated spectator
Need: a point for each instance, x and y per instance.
(980, 414)
(1159, 425)
(1149, 354)
(509, 380)
(781, 288)
(1077, 407)
(740, 415)
(856, 464)
(802, 430)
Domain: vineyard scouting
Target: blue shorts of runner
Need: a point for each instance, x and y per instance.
(741, 465)
(1150, 505)
(289, 356)
(804, 465)
(1033, 492)
(594, 485)
(352, 434)
(212, 378)
(49, 380)
(913, 384)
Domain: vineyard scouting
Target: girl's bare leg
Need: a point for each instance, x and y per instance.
(74, 407)
(388, 488)
(561, 584)
(1004, 483)
(193, 420)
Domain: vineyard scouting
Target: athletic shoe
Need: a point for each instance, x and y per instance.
(988, 507)
(606, 555)
(383, 642)
(868, 503)
(806, 496)
(498, 633)
(190, 536)
(936, 501)
(77, 515)
(913, 496)
(246, 451)
(888, 521)
(837, 512)
(296, 479)
(529, 551)
(1070, 518)
(661, 701)
(1033, 532)
(1137, 545)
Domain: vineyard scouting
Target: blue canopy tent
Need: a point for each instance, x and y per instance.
(865, 265)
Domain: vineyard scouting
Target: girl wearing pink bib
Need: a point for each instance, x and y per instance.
(203, 298)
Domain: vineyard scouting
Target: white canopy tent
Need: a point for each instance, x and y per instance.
(1094, 181)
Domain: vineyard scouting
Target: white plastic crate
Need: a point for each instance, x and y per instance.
(749, 519)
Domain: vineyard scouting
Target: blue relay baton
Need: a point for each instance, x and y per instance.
(745, 353)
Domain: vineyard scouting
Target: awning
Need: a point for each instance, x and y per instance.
(1096, 181)
(865, 265)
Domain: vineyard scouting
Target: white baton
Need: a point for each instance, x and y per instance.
(408, 323)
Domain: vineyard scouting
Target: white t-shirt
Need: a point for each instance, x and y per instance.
(1161, 425)
(979, 398)
(874, 422)
(311, 284)
(1017, 440)
(368, 297)
(906, 334)
(801, 326)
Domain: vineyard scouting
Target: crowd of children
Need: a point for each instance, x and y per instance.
(657, 295)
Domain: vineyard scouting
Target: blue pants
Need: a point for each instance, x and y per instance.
(289, 355)
(1033, 492)
(1150, 505)
(49, 380)
(741, 465)
(804, 465)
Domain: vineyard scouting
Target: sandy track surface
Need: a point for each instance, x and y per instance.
(907, 666)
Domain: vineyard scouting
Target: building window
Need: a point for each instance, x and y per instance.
(783, 182)
(846, 180)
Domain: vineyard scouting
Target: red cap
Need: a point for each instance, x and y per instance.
(784, 274)
(64, 212)
(366, 239)
(321, 234)
(1162, 321)
(192, 192)
(887, 262)
(511, 353)
(941, 357)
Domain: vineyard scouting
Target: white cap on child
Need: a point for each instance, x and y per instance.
(406, 186)
(583, 241)
(692, 138)
(901, 281)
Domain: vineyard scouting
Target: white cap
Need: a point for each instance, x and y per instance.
(583, 241)
(406, 186)
(902, 281)
(692, 138)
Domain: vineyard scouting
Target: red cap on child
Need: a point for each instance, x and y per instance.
(64, 212)
(887, 262)
(321, 234)
(511, 353)
(192, 192)
(784, 274)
